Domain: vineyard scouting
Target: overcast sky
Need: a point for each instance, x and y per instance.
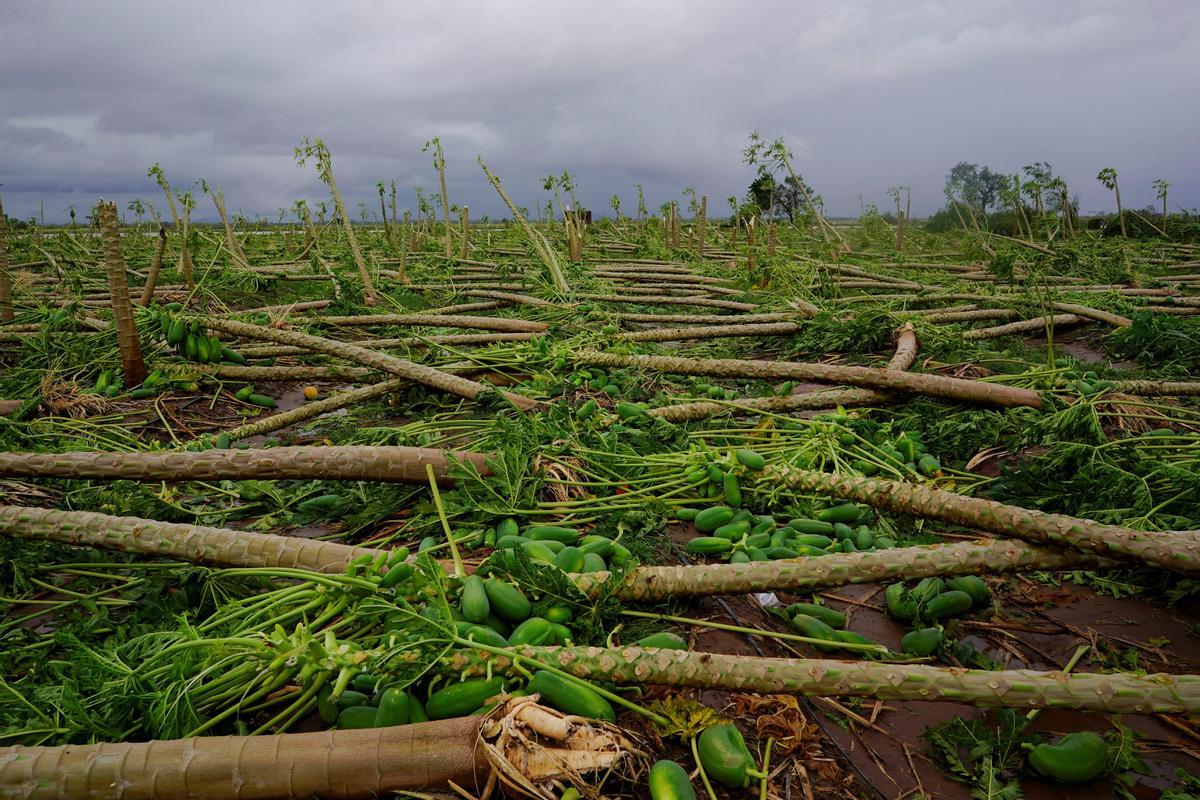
(867, 95)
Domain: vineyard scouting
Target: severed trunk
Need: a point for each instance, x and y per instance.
(1018, 688)
(418, 373)
(889, 379)
(440, 321)
(249, 549)
(114, 263)
(335, 463)
(6, 287)
(1174, 550)
(155, 266)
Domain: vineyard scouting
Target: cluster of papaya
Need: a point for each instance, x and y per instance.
(739, 536)
(188, 338)
(930, 602)
(566, 548)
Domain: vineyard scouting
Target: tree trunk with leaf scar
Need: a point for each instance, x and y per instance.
(1160, 388)
(993, 394)
(240, 548)
(326, 405)
(828, 398)
(155, 267)
(1018, 688)
(1115, 320)
(518, 743)
(132, 366)
(710, 332)
(335, 463)
(457, 339)
(417, 373)
(1024, 326)
(437, 320)
(712, 319)
(1175, 550)
(659, 300)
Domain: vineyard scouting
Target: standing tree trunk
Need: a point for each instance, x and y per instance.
(369, 296)
(155, 266)
(114, 264)
(464, 222)
(6, 292)
(701, 219)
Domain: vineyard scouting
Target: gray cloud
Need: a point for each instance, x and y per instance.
(867, 94)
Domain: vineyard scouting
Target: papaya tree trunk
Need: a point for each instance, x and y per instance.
(440, 321)
(1175, 550)
(658, 300)
(841, 569)
(709, 332)
(114, 263)
(527, 744)
(196, 543)
(337, 764)
(316, 408)
(238, 548)
(335, 463)
(1017, 688)
(6, 288)
(894, 380)
(417, 373)
(155, 266)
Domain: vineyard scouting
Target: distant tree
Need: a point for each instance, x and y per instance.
(1108, 177)
(1160, 189)
(975, 186)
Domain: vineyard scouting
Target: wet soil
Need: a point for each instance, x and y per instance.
(879, 746)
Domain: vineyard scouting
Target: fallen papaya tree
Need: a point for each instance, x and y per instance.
(334, 463)
(520, 744)
(1019, 688)
(241, 548)
(1175, 550)
(417, 373)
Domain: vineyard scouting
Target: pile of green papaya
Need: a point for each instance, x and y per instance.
(188, 339)
(111, 385)
(929, 603)
(1086, 383)
(700, 389)
(567, 548)
(739, 536)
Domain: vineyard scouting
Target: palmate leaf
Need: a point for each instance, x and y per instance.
(413, 641)
(982, 752)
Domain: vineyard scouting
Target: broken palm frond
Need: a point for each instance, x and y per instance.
(894, 380)
(1176, 550)
(417, 373)
(333, 463)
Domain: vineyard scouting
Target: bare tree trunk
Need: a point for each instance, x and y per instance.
(114, 263)
(155, 267)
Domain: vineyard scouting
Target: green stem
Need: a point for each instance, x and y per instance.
(700, 768)
(791, 637)
(459, 571)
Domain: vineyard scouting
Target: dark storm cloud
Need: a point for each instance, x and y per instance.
(868, 95)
